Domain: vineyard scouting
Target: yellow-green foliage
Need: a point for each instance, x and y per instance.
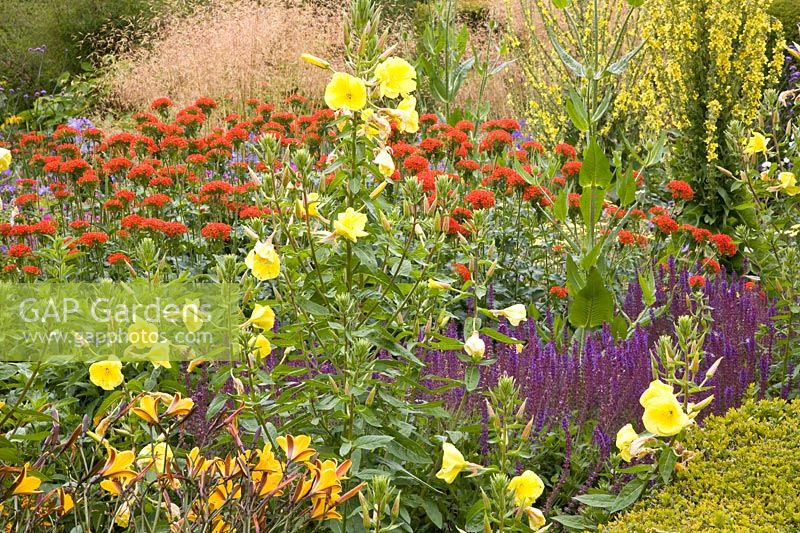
(746, 480)
(707, 63)
(703, 64)
(544, 78)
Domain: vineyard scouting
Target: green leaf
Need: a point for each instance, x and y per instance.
(603, 107)
(575, 281)
(626, 188)
(666, 464)
(635, 3)
(577, 111)
(647, 283)
(593, 305)
(372, 442)
(570, 62)
(618, 67)
(561, 205)
(590, 259)
(589, 195)
(561, 4)
(496, 335)
(577, 523)
(602, 501)
(472, 378)
(433, 512)
(629, 494)
(596, 169)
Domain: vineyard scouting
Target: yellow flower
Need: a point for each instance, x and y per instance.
(263, 261)
(664, 416)
(261, 346)
(147, 409)
(296, 448)
(346, 92)
(527, 487)
(757, 144)
(655, 390)
(5, 159)
(625, 437)
(117, 465)
(314, 60)
(142, 334)
(159, 355)
(350, 224)
(475, 347)
(155, 455)
(193, 318)
(385, 163)
(438, 285)
(313, 202)
(263, 317)
(787, 182)
(106, 374)
(25, 484)
(179, 406)
(123, 516)
(536, 518)
(515, 313)
(452, 463)
(406, 116)
(396, 76)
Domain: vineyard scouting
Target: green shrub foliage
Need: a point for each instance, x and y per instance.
(746, 478)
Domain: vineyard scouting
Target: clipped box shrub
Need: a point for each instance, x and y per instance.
(746, 480)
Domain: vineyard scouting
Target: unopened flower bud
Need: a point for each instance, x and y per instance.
(526, 432)
(713, 369)
(371, 397)
(378, 190)
(387, 226)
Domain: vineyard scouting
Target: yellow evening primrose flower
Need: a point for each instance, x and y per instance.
(346, 92)
(664, 416)
(314, 60)
(106, 374)
(192, 317)
(385, 163)
(142, 334)
(261, 346)
(536, 518)
(406, 116)
(159, 355)
(475, 347)
(263, 317)
(438, 285)
(155, 455)
(453, 463)
(313, 203)
(25, 484)
(263, 261)
(656, 389)
(757, 144)
(515, 313)
(350, 224)
(787, 182)
(625, 437)
(5, 159)
(396, 76)
(527, 487)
